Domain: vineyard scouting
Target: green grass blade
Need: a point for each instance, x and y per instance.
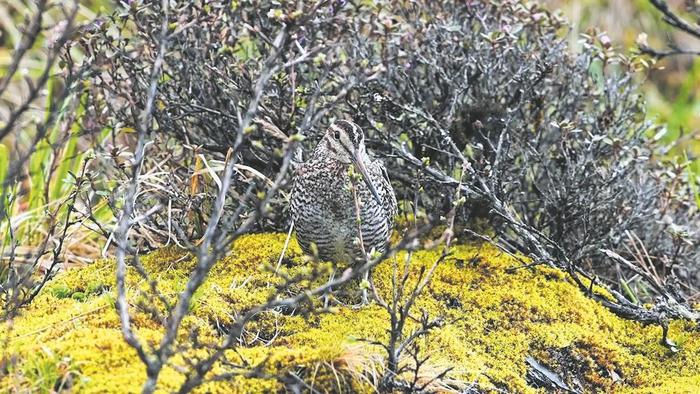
(4, 162)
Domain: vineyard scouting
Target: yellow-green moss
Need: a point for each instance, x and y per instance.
(494, 321)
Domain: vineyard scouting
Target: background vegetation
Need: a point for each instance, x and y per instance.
(671, 89)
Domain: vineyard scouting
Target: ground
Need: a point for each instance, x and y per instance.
(496, 322)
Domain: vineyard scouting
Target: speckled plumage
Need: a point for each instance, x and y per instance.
(322, 204)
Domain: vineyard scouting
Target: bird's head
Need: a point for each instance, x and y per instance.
(345, 142)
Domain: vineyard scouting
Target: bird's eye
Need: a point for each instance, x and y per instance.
(336, 135)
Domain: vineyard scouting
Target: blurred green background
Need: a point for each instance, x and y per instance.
(672, 87)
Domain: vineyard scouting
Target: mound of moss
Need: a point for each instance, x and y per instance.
(497, 321)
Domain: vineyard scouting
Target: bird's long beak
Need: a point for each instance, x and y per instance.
(359, 163)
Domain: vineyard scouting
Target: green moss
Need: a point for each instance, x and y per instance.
(494, 321)
(78, 296)
(60, 291)
(96, 287)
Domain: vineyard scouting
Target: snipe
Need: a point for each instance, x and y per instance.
(322, 202)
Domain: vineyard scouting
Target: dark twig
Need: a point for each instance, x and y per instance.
(676, 21)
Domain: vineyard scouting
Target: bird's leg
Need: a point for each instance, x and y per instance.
(327, 294)
(365, 283)
(284, 249)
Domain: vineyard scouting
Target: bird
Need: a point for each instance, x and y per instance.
(323, 206)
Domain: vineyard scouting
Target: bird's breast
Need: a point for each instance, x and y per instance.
(325, 213)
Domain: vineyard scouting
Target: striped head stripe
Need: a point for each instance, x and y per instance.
(351, 129)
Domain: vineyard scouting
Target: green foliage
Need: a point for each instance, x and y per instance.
(4, 162)
(49, 148)
(48, 373)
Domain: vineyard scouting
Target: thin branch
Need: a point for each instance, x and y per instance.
(125, 222)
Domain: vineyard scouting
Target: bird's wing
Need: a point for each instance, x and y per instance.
(388, 196)
(296, 200)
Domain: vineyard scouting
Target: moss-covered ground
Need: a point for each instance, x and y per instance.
(495, 319)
